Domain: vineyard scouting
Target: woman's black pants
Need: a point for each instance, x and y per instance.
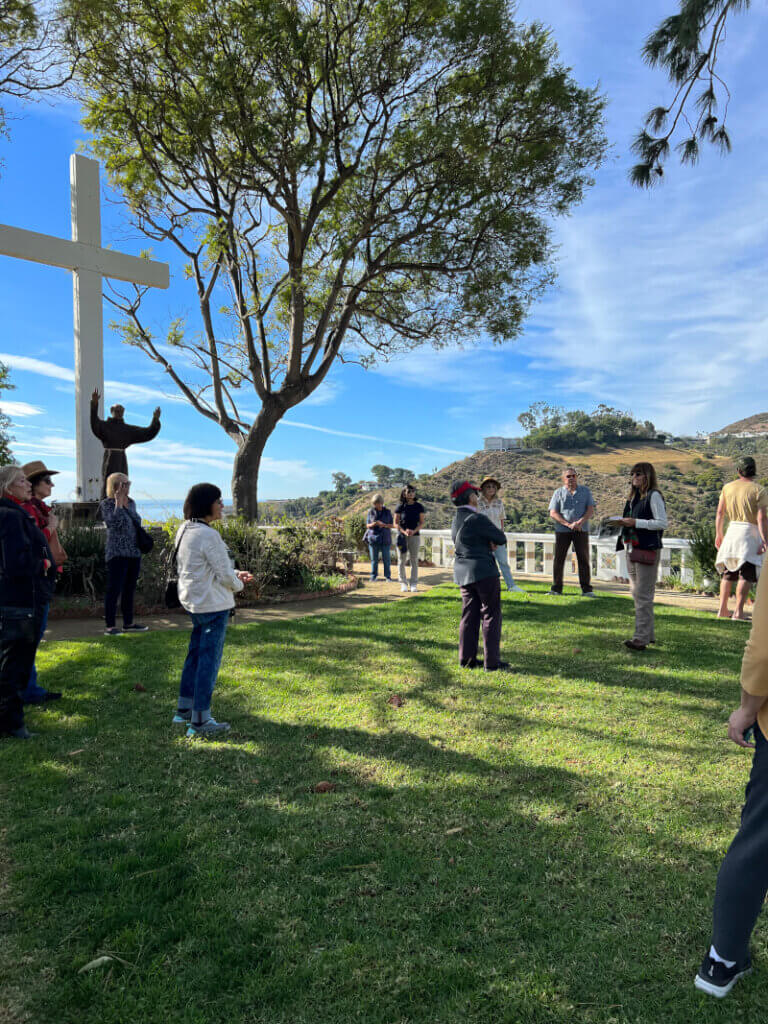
(19, 633)
(122, 576)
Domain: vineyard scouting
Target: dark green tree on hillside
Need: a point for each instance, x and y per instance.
(551, 426)
(687, 46)
(341, 481)
(342, 179)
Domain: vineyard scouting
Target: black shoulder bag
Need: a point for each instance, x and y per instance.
(172, 586)
(144, 541)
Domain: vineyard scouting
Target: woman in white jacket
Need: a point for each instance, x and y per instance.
(207, 584)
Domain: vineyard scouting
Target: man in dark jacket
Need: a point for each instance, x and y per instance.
(476, 572)
(27, 578)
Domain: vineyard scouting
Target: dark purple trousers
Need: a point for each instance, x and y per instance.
(481, 603)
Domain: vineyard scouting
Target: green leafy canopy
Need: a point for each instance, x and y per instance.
(344, 179)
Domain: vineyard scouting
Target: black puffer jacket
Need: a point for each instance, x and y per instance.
(24, 580)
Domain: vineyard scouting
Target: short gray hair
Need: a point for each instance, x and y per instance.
(7, 475)
(377, 497)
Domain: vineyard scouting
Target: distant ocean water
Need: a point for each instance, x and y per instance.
(159, 511)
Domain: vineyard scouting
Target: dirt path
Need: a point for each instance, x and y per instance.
(367, 595)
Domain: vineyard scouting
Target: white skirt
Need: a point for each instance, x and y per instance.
(740, 545)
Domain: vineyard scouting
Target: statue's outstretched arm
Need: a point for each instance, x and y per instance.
(138, 435)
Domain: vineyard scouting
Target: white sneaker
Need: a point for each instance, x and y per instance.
(514, 589)
(404, 588)
(414, 589)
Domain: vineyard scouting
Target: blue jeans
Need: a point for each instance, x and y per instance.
(206, 647)
(502, 560)
(386, 556)
(33, 691)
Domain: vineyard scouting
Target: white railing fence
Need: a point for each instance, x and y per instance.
(533, 553)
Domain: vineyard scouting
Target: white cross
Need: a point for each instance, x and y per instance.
(89, 262)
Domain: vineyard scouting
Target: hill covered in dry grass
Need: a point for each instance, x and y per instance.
(690, 479)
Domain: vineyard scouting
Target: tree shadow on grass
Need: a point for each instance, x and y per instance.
(432, 885)
(488, 892)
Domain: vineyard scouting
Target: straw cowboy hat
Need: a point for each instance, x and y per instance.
(37, 468)
(490, 480)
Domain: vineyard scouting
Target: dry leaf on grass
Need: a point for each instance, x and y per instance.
(454, 831)
(139, 688)
(102, 961)
(324, 787)
(396, 700)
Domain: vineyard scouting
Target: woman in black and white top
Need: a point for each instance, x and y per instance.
(207, 583)
(644, 522)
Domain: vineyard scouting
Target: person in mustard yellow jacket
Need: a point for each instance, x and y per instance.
(742, 881)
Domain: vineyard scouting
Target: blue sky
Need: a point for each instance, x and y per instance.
(660, 307)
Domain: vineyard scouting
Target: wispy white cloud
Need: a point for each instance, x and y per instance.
(19, 409)
(369, 437)
(39, 366)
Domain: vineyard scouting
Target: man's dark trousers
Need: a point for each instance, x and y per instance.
(580, 541)
(481, 602)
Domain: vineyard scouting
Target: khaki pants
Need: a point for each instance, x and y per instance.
(642, 584)
(413, 553)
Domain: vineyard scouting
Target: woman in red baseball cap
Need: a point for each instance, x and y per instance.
(476, 572)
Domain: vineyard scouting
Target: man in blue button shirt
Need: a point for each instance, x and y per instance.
(571, 507)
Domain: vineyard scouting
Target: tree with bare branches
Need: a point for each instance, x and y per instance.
(345, 180)
(687, 46)
(31, 59)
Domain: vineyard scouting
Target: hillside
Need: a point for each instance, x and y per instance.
(757, 423)
(690, 479)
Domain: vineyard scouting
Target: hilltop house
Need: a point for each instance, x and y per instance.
(502, 444)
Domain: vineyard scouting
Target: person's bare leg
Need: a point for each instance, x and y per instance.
(725, 596)
(742, 593)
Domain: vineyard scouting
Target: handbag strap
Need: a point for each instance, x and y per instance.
(176, 548)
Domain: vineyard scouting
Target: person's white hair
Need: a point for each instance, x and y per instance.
(377, 497)
(7, 475)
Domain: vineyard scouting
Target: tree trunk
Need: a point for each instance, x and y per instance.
(245, 472)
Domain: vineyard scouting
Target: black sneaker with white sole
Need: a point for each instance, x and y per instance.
(135, 627)
(716, 979)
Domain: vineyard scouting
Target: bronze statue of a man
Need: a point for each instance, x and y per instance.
(116, 435)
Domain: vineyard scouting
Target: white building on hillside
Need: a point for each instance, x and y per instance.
(502, 444)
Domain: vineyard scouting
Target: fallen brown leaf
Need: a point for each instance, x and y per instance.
(73, 752)
(396, 700)
(139, 688)
(324, 787)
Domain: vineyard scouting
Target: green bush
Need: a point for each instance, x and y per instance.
(85, 571)
(278, 559)
(702, 540)
(354, 529)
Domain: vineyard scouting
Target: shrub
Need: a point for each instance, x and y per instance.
(702, 540)
(354, 528)
(85, 571)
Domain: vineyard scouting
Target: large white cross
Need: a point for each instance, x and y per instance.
(90, 263)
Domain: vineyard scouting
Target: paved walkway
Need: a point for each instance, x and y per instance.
(367, 595)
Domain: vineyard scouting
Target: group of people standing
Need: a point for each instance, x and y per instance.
(479, 538)
(32, 557)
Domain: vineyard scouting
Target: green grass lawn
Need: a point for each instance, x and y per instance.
(540, 846)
